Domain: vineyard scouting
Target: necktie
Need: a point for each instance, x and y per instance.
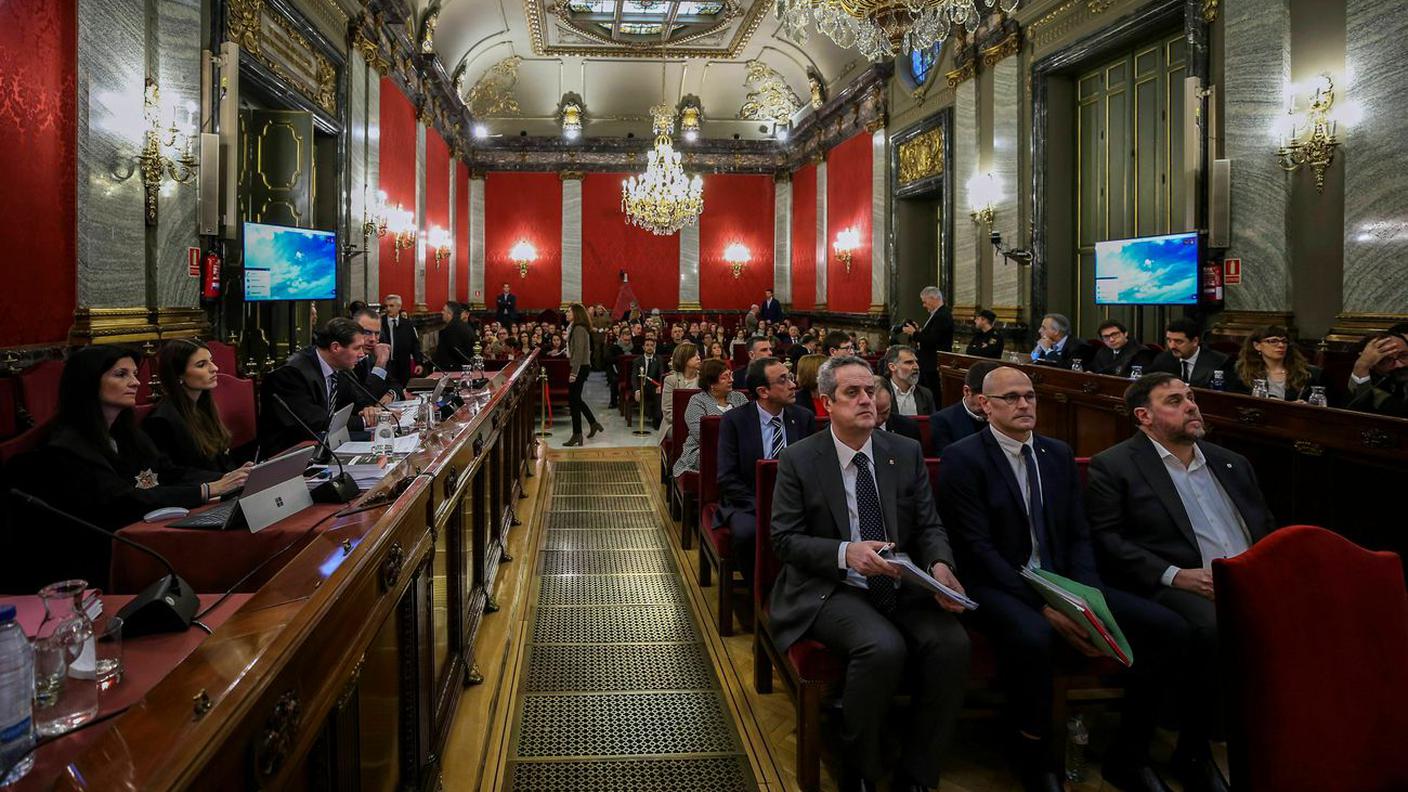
(1187, 371)
(332, 393)
(391, 337)
(872, 529)
(779, 437)
(1036, 508)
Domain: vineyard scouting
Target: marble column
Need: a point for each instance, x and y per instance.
(455, 251)
(571, 238)
(823, 245)
(1375, 159)
(782, 238)
(689, 268)
(965, 164)
(178, 42)
(879, 192)
(476, 239)
(1006, 115)
(372, 125)
(1257, 57)
(420, 217)
(360, 191)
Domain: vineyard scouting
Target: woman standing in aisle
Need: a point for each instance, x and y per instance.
(579, 351)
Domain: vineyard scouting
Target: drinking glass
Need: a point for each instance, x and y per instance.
(65, 690)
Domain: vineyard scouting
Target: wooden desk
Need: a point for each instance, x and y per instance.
(342, 671)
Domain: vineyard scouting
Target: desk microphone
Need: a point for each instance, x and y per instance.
(352, 378)
(168, 605)
(339, 489)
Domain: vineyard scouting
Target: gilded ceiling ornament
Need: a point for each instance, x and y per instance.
(427, 30)
(457, 79)
(371, 52)
(1210, 11)
(493, 94)
(243, 18)
(771, 98)
(1098, 6)
(922, 156)
(327, 85)
(817, 86)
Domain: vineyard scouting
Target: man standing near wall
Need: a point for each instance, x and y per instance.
(934, 336)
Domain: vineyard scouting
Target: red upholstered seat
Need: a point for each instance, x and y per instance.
(926, 439)
(814, 662)
(234, 398)
(715, 544)
(146, 368)
(1083, 467)
(625, 397)
(39, 390)
(559, 371)
(27, 440)
(1314, 633)
(223, 355)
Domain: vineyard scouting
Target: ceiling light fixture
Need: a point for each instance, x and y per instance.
(880, 28)
(481, 131)
(663, 199)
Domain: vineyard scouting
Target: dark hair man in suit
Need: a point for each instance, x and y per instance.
(1378, 382)
(751, 433)
(312, 387)
(842, 496)
(647, 376)
(506, 306)
(885, 416)
(1162, 506)
(371, 370)
(397, 329)
(772, 309)
(1012, 499)
(987, 341)
(965, 416)
(900, 367)
(1120, 353)
(1186, 358)
(455, 345)
(837, 344)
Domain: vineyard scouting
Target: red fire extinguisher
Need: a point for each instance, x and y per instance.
(210, 278)
(1211, 292)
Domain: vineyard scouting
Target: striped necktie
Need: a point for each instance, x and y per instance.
(872, 529)
(779, 437)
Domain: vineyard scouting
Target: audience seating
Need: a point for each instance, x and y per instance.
(715, 544)
(740, 357)
(559, 371)
(682, 489)
(1082, 468)
(224, 357)
(145, 368)
(926, 434)
(1314, 633)
(235, 399)
(625, 397)
(39, 390)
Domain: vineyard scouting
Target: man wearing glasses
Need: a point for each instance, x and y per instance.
(837, 344)
(1120, 353)
(1012, 499)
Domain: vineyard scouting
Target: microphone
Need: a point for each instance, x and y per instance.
(341, 489)
(359, 386)
(168, 605)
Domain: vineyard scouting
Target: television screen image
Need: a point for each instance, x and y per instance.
(1157, 270)
(283, 263)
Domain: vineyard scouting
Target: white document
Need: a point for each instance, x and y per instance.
(914, 576)
(405, 444)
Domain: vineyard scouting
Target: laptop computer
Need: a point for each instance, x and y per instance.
(268, 496)
(337, 427)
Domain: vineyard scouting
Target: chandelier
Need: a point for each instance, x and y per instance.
(880, 28)
(663, 199)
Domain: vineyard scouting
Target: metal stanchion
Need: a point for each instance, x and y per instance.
(640, 429)
(543, 405)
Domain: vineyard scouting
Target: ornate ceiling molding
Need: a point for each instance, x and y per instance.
(542, 14)
(493, 94)
(271, 37)
(771, 99)
(921, 157)
(861, 105)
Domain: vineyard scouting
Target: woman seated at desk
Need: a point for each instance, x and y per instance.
(185, 426)
(1269, 354)
(716, 397)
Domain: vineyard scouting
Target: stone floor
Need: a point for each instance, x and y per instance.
(616, 435)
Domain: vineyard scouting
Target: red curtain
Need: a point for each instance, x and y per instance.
(610, 245)
(398, 180)
(461, 210)
(524, 207)
(38, 55)
(848, 206)
(437, 213)
(738, 208)
(804, 238)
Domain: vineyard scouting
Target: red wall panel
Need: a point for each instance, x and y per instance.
(848, 206)
(737, 208)
(398, 180)
(524, 206)
(437, 213)
(610, 244)
(804, 238)
(38, 53)
(461, 210)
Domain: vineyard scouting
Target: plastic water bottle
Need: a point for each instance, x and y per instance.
(1260, 389)
(1077, 739)
(1317, 396)
(1135, 372)
(384, 438)
(16, 699)
(1076, 365)
(1218, 383)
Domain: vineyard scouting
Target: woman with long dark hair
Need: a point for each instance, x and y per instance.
(186, 425)
(1269, 354)
(579, 354)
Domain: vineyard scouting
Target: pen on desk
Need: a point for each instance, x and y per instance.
(259, 449)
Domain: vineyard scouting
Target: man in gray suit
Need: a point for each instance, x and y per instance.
(843, 496)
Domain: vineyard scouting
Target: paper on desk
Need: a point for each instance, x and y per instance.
(404, 444)
(367, 476)
(914, 576)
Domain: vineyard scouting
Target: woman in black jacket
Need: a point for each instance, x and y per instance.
(186, 425)
(1269, 354)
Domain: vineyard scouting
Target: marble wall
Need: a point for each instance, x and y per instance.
(823, 244)
(1375, 160)
(178, 74)
(1257, 68)
(476, 239)
(420, 217)
(571, 240)
(689, 266)
(373, 174)
(362, 191)
(879, 228)
(452, 263)
(965, 164)
(1006, 115)
(782, 242)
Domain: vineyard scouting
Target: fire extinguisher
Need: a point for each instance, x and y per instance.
(1211, 292)
(210, 277)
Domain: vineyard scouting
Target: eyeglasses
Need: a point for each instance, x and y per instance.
(1111, 336)
(1013, 399)
(784, 378)
(1275, 341)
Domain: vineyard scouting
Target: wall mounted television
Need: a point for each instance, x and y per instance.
(1153, 270)
(283, 263)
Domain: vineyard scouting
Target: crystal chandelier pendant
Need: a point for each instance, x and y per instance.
(880, 29)
(663, 199)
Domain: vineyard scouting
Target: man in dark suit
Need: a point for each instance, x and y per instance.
(621, 346)
(772, 309)
(455, 346)
(807, 346)
(1055, 346)
(842, 496)
(1186, 358)
(506, 306)
(965, 416)
(900, 366)
(890, 421)
(371, 371)
(1378, 383)
(310, 384)
(932, 337)
(1120, 353)
(986, 341)
(647, 375)
(1012, 499)
(397, 330)
(1162, 506)
(748, 434)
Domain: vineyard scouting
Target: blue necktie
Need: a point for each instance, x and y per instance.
(1036, 510)
(872, 529)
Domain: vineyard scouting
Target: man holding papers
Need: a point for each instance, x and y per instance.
(1012, 500)
(843, 496)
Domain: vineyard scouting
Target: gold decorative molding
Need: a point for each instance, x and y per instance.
(782, 176)
(371, 52)
(962, 74)
(128, 325)
(1237, 325)
(493, 95)
(1351, 326)
(1210, 11)
(1098, 6)
(243, 19)
(427, 30)
(536, 11)
(922, 156)
(1010, 45)
(1007, 315)
(771, 98)
(284, 50)
(571, 175)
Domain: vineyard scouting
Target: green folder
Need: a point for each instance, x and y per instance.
(1085, 606)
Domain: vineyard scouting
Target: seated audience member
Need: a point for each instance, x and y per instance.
(1268, 354)
(1379, 381)
(807, 346)
(311, 384)
(837, 343)
(808, 369)
(647, 371)
(455, 346)
(715, 397)
(965, 416)
(684, 373)
(677, 337)
(746, 435)
(901, 369)
(889, 420)
(842, 496)
(716, 351)
(1012, 500)
(1186, 358)
(622, 346)
(862, 346)
(185, 426)
(759, 346)
(100, 466)
(371, 370)
(555, 347)
(1120, 353)
(1054, 344)
(986, 341)
(1162, 506)
(740, 338)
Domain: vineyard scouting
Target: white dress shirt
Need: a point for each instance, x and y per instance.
(904, 401)
(1217, 525)
(1012, 449)
(846, 456)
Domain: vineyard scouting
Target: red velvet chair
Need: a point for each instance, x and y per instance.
(926, 435)
(39, 390)
(235, 399)
(224, 357)
(1083, 468)
(625, 398)
(682, 489)
(1314, 642)
(146, 370)
(559, 371)
(715, 544)
(27, 440)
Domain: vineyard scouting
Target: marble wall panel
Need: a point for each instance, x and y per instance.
(965, 163)
(361, 190)
(178, 75)
(1006, 120)
(689, 266)
(879, 236)
(455, 252)
(782, 242)
(823, 244)
(373, 177)
(420, 214)
(476, 239)
(571, 240)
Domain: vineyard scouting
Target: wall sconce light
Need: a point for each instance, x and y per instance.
(374, 218)
(402, 224)
(737, 256)
(847, 240)
(439, 240)
(983, 192)
(522, 254)
(166, 148)
(689, 122)
(1306, 135)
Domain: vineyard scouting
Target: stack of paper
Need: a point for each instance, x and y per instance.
(1085, 606)
(914, 576)
(405, 444)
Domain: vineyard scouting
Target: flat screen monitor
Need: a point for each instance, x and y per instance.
(1156, 270)
(282, 263)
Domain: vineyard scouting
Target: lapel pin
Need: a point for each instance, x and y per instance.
(1229, 465)
(892, 461)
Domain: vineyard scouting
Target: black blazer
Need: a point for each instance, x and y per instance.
(455, 346)
(171, 435)
(1117, 363)
(1381, 395)
(1073, 349)
(951, 424)
(809, 522)
(988, 345)
(740, 448)
(771, 310)
(405, 347)
(300, 383)
(654, 370)
(982, 505)
(1138, 520)
(506, 308)
(374, 385)
(904, 426)
(1209, 360)
(934, 337)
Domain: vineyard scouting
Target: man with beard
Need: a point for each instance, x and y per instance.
(1379, 380)
(1162, 506)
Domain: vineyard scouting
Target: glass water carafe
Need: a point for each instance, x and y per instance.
(65, 687)
(384, 435)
